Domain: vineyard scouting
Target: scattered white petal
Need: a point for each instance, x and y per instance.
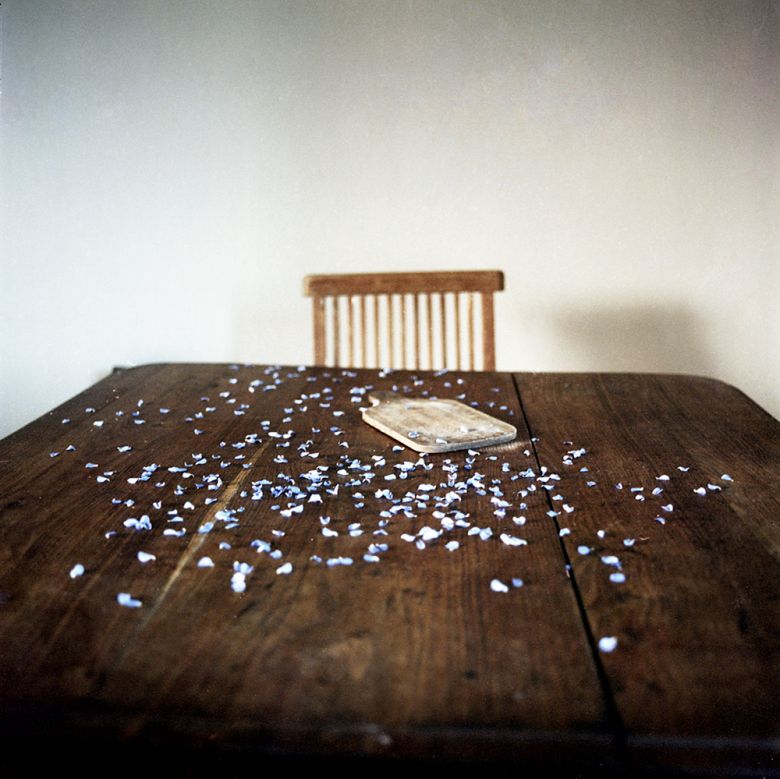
(128, 601)
(146, 557)
(513, 540)
(205, 562)
(498, 586)
(284, 569)
(339, 561)
(76, 571)
(608, 643)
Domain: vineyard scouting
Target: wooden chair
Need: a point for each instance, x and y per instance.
(404, 320)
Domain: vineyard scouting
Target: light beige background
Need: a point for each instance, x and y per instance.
(171, 170)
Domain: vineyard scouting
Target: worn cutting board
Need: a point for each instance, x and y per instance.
(431, 425)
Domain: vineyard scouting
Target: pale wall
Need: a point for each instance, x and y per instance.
(172, 169)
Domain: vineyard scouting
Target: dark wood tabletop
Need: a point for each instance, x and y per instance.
(224, 565)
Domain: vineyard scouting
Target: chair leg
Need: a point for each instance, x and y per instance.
(318, 304)
(488, 334)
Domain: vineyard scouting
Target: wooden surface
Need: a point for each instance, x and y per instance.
(420, 655)
(397, 301)
(395, 283)
(697, 618)
(435, 425)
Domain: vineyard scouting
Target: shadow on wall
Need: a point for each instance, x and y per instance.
(644, 337)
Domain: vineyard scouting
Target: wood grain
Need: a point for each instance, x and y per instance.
(414, 656)
(435, 426)
(695, 674)
(399, 283)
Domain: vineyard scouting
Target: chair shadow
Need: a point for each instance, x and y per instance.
(645, 337)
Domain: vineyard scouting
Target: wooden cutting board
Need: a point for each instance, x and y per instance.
(430, 425)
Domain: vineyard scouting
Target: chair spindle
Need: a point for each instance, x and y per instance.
(429, 300)
(363, 333)
(416, 300)
(351, 329)
(336, 330)
(443, 320)
(457, 330)
(470, 317)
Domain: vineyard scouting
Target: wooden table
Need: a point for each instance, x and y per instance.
(176, 578)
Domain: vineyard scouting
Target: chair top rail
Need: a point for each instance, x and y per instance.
(403, 283)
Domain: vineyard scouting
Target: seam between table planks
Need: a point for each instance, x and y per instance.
(614, 719)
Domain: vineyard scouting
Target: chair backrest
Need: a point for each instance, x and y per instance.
(404, 320)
